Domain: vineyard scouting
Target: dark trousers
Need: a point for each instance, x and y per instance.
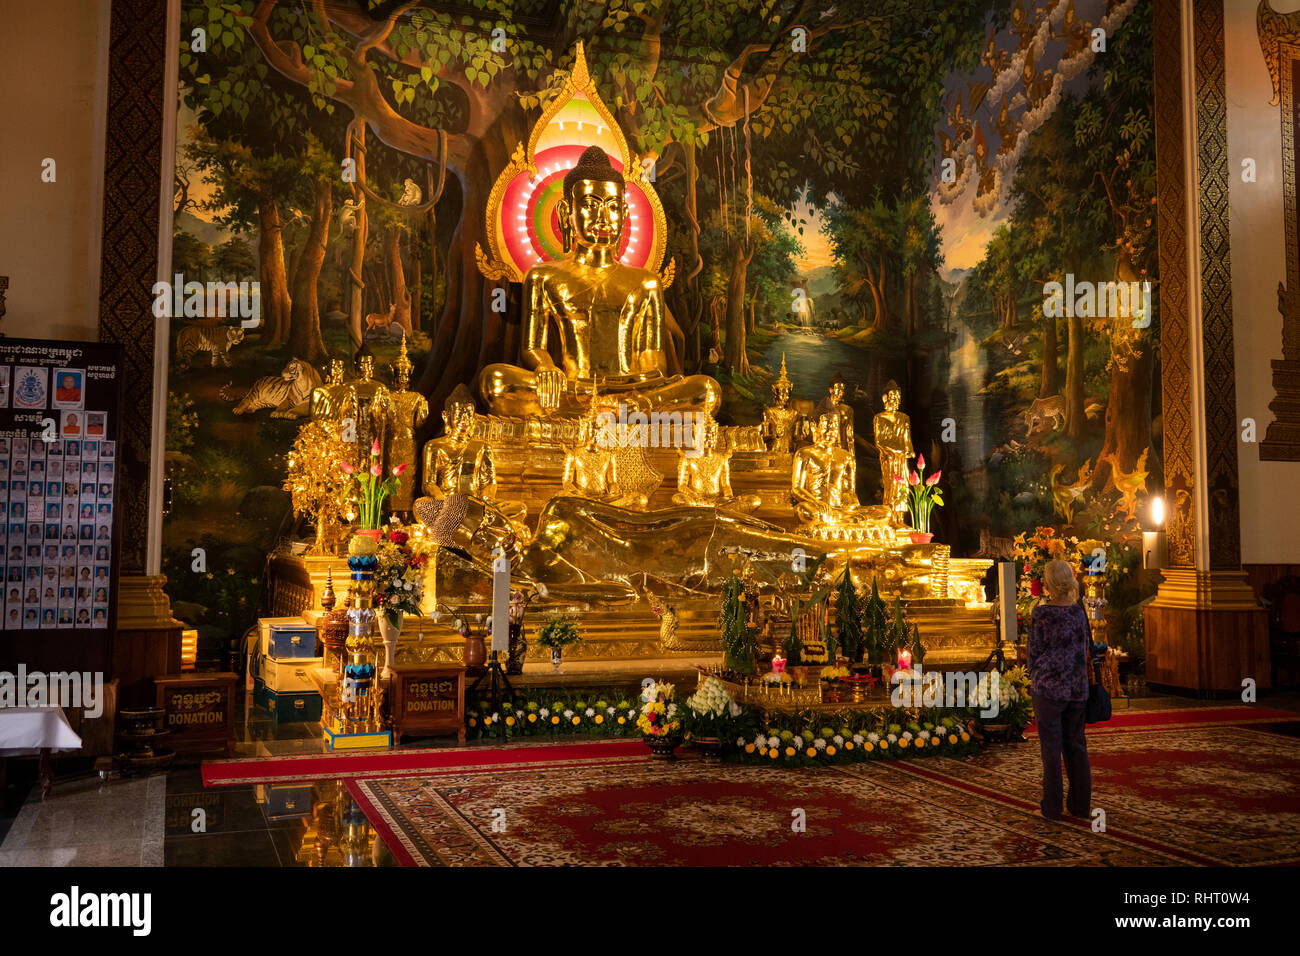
(1060, 731)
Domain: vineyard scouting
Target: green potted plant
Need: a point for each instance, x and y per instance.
(557, 633)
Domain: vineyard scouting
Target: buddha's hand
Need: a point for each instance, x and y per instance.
(551, 384)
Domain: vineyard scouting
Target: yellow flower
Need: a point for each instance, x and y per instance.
(848, 745)
(555, 720)
(902, 741)
(952, 738)
(964, 736)
(789, 751)
(577, 720)
(510, 721)
(830, 750)
(532, 718)
(772, 753)
(749, 748)
(812, 751)
(934, 741)
(600, 718)
(473, 722)
(884, 744)
(622, 720)
(868, 746)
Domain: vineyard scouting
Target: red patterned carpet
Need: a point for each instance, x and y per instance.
(1212, 796)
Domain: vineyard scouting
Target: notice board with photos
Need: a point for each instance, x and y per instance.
(60, 405)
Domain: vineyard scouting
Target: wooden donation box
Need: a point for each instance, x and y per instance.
(428, 700)
(198, 710)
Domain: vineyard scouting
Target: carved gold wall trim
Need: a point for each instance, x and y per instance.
(1171, 244)
(137, 96)
(1219, 378)
(1279, 41)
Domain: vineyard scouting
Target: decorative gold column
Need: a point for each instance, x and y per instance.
(1204, 630)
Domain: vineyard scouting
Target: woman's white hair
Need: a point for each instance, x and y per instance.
(1060, 580)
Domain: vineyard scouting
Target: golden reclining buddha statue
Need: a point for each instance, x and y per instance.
(609, 317)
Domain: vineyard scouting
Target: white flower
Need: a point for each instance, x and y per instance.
(591, 712)
(545, 712)
(631, 713)
(610, 711)
(672, 709)
(837, 740)
(858, 738)
(735, 709)
(568, 714)
(774, 742)
(798, 742)
(892, 738)
(819, 743)
(907, 735)
(924, 735)
(519, 714)
(873, 737)
(740, 741)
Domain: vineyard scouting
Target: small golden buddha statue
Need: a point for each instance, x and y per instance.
(601, 467)
(824, 478)
(893, 434)
(834, 403)
(327, 400)
(704, 475)
(780, 420)
(407, 411)
(609, 317)
(457, 463)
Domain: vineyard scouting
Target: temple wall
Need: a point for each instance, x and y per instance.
(1270, 501)
(50, 232)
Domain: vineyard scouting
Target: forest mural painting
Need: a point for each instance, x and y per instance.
(884, 189)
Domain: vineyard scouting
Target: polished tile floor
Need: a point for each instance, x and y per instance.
(171, 819)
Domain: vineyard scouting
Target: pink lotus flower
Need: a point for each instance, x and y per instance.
(346, 468)
(920, 462)
(376, 470)
(899, 479)
(915, 479)
(401, 469)
(934, 479)
(374, 448)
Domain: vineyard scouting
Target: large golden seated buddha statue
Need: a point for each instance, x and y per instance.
(608, 318)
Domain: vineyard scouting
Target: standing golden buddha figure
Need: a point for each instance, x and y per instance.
(407, 411)
(893, 434)
(366, 402)
(834, 404)
(609, 317)
(780, 420)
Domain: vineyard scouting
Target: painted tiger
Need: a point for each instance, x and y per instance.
(288, 394)
(213, 339)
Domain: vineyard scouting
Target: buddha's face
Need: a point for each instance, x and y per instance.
(336, 372)
(893, 398)
(366, 367)
(458, 419)
(782, 393)
(837, 392)
(596, 213)
(827, 429)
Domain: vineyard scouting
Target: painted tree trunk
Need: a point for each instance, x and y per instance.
(1051, 374)
(274, 279)
(1074, 417)
(304, 317)
(356, 269)
(735, 357)
(1128, 407)
(397, 276)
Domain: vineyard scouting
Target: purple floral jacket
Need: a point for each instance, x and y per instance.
(1059, 640)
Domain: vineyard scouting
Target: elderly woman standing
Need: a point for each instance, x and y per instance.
(1060, 640)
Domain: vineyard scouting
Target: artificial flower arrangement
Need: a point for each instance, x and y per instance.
(399, 578)
(923, 495)
(658, 716)
(710, 711)
(373, 491)
(834, 673)
(810, 739)
(1032, 551)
